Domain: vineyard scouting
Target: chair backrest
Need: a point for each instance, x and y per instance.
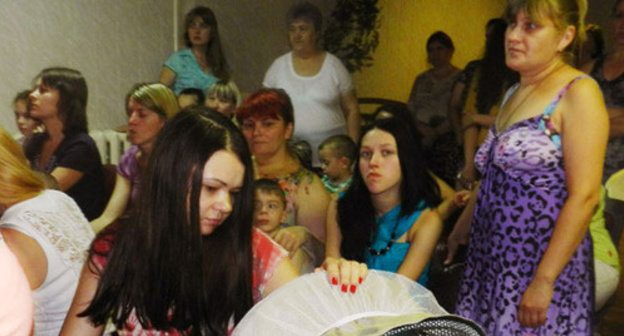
(614, 206)
(448, 325)
(614, 218)
(111, 144)
(368, 106)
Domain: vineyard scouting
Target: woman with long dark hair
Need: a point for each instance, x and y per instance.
(485, 92)
(65, 150)
(189, 261)
(529, 266)
(202, 64)
(384, 218)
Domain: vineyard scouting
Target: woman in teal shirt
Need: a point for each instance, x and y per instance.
(203, 63)
(386, 218)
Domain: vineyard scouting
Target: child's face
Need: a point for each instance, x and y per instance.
(25, 123)
(268, 211)
(222, 106)
(332, 165)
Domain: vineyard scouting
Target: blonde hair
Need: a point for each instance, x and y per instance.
(17, 181)
(225, 91)
(562, 13)
(156, 97)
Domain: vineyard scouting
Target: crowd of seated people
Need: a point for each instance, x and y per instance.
(223, 199)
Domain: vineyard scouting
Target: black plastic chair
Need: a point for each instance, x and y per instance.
(449, 325)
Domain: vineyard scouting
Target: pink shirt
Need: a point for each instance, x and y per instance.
(16, 303)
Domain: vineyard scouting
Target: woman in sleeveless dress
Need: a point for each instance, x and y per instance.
(529, 268)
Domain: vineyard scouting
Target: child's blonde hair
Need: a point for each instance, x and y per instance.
(225, 91)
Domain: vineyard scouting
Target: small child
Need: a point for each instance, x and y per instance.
(26, 125)
(302, 150)
(224, 97)
(270, 213)
(337, 154)
(190, 97)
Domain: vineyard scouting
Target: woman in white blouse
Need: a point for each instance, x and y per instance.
(317, 82)
(47, 233)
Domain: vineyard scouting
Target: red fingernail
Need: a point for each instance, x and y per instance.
(353, 289)
(344, 288)
(360, 280)
(334, 281)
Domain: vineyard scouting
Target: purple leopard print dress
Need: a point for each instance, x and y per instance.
(522, 192)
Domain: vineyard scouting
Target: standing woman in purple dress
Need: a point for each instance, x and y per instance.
(529, 268)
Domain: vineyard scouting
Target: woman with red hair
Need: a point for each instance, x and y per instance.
(267, 121)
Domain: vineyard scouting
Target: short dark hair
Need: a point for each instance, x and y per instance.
(308, 12)
(343, 145)
(271, 187)
(302, 151)
(199, 94)
(442, 38)
(73, 94)
(22, 95)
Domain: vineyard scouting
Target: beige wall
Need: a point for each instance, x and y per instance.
(405, 27)
(253, 33)
(116, 43)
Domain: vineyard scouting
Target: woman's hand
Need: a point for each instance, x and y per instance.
(346, 273)
(468, 176)
(534, 303)
(461, 198)
(461, 230)
(291, 238)
(456, 238)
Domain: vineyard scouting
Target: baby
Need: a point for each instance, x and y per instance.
(270, 213)
(337, 154)
(223, 97)
(26, 125)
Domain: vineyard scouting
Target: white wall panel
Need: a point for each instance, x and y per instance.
(114, 43)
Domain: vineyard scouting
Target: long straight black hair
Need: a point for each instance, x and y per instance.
(161, 265)
(356, 213)
(494, 77)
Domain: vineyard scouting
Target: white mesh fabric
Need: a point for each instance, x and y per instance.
(309, 305)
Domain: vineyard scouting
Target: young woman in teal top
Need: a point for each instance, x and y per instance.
(202, 64)
(386, 218)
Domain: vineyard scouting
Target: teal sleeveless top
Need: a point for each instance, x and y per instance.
(390, 228)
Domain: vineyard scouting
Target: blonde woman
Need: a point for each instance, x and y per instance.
(46, 231)
(148, 107)
(529, 267)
